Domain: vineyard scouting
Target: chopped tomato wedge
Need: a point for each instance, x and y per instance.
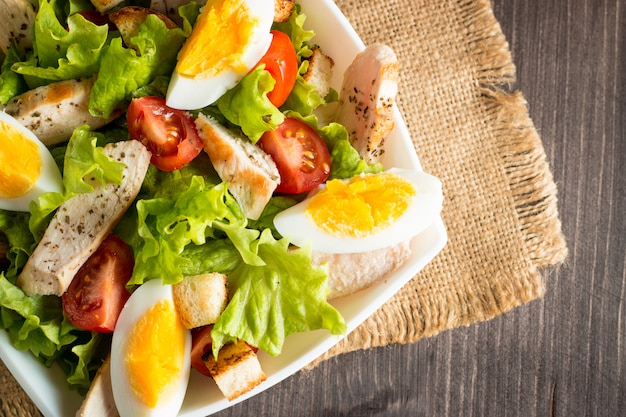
(300, 154)
(170, 134)
(96, 295)
(200, 344)
(281, 62)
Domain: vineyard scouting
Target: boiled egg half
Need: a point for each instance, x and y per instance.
(27, 168)
(228, 39)
(363, 213)
(150, 354)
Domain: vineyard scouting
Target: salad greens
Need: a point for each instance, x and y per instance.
(184, 222)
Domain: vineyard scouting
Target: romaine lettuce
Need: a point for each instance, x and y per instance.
(269, 302)
(62, 53)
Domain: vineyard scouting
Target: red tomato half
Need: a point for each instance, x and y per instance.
(98, 292)
(282, 63)
(170, 134)
(201, 343)
(300, 154)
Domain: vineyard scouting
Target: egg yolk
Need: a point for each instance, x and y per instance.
(217, 39)
(360, 206)
(20, 162)
(155, 353)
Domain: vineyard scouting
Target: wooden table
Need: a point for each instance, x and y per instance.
(563, 355)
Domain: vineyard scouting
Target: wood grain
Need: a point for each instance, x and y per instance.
(563, 355)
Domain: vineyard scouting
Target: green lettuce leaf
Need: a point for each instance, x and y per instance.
(269, 302)
(37, 324)
(62, 53)
(152, 54)
(14, 225)
(186, 214)
(345, 160)
(294, 28)
(247, 106)
(11, 83)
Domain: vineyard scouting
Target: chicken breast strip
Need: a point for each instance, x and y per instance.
(17, 18)
(366, 100)
(80, 225)
(53, 111)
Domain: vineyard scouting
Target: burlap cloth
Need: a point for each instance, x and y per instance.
(469, 130)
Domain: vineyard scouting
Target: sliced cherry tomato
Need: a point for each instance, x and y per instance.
(300, 154)
(282, 63)
(201, 343)
(170, 134)
(98, 292)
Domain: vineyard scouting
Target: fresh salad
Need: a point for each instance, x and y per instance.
(184, 221)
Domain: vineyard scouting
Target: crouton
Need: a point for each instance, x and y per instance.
(104, 6)
(237, 369)
(200, 299)
(282, 10)
(320, 71)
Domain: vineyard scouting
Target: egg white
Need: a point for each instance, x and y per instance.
(49, 179)
(144, 297)
(425, 206)
(189, 93)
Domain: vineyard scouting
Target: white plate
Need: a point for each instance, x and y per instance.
(47, 387)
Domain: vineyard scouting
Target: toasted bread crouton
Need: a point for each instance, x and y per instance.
(200, 299)
(251, 174)
(320, 71)
(99, 401)
(237, 369)
(128, 19)
(352, 272)
(283, 9)
(17, 19)
(104, 6)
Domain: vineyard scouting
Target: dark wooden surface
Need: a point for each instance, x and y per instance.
(563, 355)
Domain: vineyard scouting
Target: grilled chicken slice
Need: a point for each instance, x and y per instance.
(99, 401)
(80, 225)
(251, 174)
(53, 111)
(367, 97)
(17, 18)
(352, 272)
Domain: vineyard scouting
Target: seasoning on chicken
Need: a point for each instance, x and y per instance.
(81, 224)
(53, 111)
(367, 97)
(251, 174)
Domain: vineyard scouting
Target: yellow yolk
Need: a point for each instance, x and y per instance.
(360, 206)
(20, 162)
(155, 353)
(215, 42)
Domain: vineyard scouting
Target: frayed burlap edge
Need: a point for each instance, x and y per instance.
(533, 191)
